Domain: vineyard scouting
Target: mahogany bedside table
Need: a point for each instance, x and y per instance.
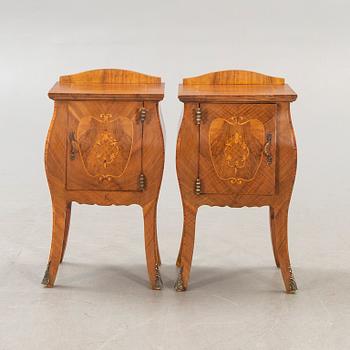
(105, 146)
(236, 147)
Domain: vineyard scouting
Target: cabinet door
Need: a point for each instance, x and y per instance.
(237, 151)
(104, 145)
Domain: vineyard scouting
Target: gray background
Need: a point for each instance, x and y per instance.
(235, 300)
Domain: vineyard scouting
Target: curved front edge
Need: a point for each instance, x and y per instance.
(55, 150)
(187, 153)
(287, 164)
(187, 173)
(152, 165)
(152, 153)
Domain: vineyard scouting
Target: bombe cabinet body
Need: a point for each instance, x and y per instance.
(236, 147)
(105, 146)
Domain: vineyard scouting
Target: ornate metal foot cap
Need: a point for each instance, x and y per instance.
(46, 278)
(292, 284)
(179, 285)
(159, 282)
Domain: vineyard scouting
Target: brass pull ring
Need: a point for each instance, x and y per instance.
(73, 141)
(267, 148)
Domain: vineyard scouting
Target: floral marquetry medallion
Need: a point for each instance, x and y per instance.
(105, 144)
(236, 148)
(106, 148)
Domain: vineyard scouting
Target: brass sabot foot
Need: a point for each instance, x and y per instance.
(46, 278)
(179, 285)
(159, 282)
(292, 284)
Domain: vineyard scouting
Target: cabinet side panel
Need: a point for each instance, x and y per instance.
(55, 150)
(152, 152)
(187, 152)
(286, 154)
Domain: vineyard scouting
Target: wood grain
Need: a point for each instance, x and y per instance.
(110, 76)
(103, 91)
(102, 163)
(66, 229)
(107, 145)
(236, 93)
(199, 155)
(108, 84)
(233, 77)
(225, 129)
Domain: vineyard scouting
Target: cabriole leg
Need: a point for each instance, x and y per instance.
(281, 244)
(66, 229)
(59, 208)
(184, 259)
(151, 244)
(273, 235)
(158, 261)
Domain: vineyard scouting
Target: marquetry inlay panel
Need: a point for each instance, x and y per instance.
(104, 144)
(237, 148)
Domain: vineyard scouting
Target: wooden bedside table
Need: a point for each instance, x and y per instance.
(105, 146)
(236, 147)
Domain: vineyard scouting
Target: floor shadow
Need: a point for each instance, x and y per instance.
(268, 279)
(235, 278)
(94, 275)
(203, 278)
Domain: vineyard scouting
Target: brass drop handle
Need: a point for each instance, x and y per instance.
(73, 150)
(267, 148)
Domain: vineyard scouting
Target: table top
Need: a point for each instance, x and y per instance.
(236, 93)
(106, 91)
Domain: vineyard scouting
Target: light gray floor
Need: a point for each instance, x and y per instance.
(102, 300)
(236, 298)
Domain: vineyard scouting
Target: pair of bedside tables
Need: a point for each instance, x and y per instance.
(236, 147)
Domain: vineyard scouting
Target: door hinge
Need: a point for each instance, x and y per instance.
(143, 114)
(142, 182)
(198, 118)
(197, 186)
